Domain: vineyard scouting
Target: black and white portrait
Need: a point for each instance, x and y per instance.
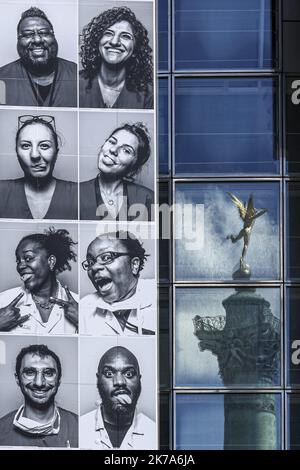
(118, 289)
(39, 279)
(38, 64)
(39, 399)
(116, 166)
(117, 395)
(38, 165)
(116, 57)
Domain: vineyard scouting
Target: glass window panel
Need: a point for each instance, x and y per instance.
(231, 421)
(164, 421)
(293, 421)
(205, 218)
(219, 34)
(163, 120)
(292, 117)
(233, 342)
(293, 231)
(164, 233)
(164, 338)
(225, 126)
(163, 35)
(293, 333)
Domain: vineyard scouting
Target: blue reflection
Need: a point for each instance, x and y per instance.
(225, 126)
(163, 35)
(202, 249)
(200, 423)
(219, 34)
(197, 366)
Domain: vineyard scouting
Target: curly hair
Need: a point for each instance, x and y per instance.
(139, 67)
(34, 12)
(57, 243)
(131, 244)
(140, 131)
(40, 350)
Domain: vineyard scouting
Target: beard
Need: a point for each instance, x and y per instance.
(43, 65)
(39, 405)
(120, 409)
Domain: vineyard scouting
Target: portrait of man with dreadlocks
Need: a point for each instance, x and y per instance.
(116, 60)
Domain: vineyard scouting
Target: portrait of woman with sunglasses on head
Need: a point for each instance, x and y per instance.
(38, 195)
(114, 194)
(42, 305)
(116, 58)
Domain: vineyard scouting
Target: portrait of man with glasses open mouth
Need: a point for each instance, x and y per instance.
(122, 304)
(39, 77)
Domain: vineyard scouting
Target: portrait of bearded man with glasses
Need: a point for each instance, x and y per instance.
(39, 421)
(39, 77)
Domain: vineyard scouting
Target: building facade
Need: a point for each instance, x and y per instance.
(228, 75)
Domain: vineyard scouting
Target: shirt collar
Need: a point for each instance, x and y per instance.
(56, 313)
(135, 429)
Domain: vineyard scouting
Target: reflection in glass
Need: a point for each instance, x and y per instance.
(237, 339)
(163, 108)
(294, 421)
(219, 34)
(205, 216)
(225, 126)
(293, 231)
(293, 336)
(163, 32)
(164, 233)
(230, 421)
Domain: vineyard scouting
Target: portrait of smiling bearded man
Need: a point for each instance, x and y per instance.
(38, 77)
(123, 304)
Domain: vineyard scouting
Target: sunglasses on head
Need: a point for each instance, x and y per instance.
(42, 118)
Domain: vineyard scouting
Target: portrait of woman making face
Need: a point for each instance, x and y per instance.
(41, 305)
(112, 194)
(116, 58)
(38, 195)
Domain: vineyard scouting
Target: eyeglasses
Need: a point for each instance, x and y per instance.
(44, 118)
(104, 258)
(30, 34)
(31, 373)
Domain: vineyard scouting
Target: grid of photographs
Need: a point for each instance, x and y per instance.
(78, 283)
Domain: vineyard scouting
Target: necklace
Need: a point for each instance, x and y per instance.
(108, 199)
(112, 199)
(47, 305)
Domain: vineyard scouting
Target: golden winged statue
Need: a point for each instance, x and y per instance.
(248, 214)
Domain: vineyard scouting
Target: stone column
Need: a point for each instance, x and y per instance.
(246, 342)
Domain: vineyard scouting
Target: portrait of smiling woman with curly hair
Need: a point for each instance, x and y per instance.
(116, 59)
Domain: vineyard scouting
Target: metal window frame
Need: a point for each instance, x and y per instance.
(276, 5)
(277, 72)
(278, 124)
(235, 392)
